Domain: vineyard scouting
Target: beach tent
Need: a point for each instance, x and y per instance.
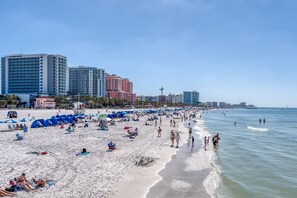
(35, 123)
(62, 119)
(50, 122)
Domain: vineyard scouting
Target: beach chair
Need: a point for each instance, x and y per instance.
(10, 127)
(19, 137)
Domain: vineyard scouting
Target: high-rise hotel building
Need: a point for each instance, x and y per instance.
(34, 74)
(85, 81)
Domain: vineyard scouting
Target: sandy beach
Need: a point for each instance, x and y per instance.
(98, 174)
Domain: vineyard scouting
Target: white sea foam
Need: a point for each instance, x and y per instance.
(206, 160)
(257, 129)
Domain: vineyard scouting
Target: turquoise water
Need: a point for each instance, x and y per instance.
(255, 160)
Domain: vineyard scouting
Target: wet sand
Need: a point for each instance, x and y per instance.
(177, 179)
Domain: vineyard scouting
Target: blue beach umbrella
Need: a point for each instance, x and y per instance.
(25, 120)
(1, 122)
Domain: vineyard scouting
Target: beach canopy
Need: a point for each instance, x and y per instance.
(38, 123)
(10, 121)
(50, 122)
(25, 120)
(1, 121)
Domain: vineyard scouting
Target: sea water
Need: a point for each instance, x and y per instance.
(253, 159)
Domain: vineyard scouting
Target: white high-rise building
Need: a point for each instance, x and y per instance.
(85, 80)
(33, 74)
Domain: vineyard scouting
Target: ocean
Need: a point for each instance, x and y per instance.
(253, 159)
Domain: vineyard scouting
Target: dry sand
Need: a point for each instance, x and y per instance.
(99, 174)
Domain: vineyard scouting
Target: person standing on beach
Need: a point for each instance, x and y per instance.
(177, 137)
(260, 121)
(159, 132)
(172, 138)
(160, 120)
(171, 122)
(264, 121)
(156, 122)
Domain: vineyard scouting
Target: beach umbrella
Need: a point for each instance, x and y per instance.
(1, 122)
(10, 121)
(25, 120)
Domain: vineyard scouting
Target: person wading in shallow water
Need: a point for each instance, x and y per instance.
(215, 140)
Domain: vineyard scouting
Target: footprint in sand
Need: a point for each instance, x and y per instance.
(180, 186)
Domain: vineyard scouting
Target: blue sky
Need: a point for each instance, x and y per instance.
(228, 50)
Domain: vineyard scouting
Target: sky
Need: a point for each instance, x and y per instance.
(227, 50)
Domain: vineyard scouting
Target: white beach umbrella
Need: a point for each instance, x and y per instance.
(10, 121)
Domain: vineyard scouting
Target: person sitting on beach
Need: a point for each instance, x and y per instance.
(24, 182)
(86, 124)
(147, 124)
(39, 182)
(73, 125)
(62, 126)
(4, 193)
(111, 145)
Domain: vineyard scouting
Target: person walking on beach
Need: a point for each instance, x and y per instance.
(193, 140)
(159, 132)
(173, 123)
(264, 121)
(260, 121)
(190, 132)
(177, 137)
(160, 120)
(205, 143)
(172, 138)
(156, 122)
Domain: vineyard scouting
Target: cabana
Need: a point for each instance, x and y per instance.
(38, 123)
(51, 122)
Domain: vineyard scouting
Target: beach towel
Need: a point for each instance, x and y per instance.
(68, 131)
(82, 154)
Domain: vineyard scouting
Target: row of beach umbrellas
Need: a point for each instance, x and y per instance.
(15, 121)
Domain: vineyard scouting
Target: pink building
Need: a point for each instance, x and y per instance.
(119, 88)
(44, 102)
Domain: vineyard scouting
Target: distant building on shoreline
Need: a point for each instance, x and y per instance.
(119, 88)
(86, 80)
(33, 74)
(191, 97)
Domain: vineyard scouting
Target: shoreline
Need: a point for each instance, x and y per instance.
(146, 177)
